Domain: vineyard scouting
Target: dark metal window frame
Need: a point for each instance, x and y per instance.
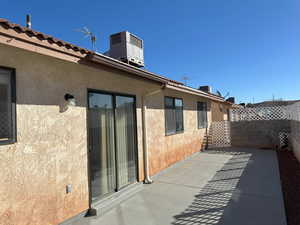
(174, 108)
(13, 138)
(200, 125)
(113, 94)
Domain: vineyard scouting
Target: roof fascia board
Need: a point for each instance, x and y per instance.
(11, 37)
(101, 56)
(124, 67)
(194, 92)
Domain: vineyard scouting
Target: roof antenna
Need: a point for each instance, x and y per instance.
(28, 21)
(185, 79)
(88, 33)
(220, 94)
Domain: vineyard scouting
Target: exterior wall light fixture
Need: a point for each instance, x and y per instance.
(70, 99)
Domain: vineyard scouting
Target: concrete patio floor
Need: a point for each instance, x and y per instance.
(233, 186)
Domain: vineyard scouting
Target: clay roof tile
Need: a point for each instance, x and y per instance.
(41, 36)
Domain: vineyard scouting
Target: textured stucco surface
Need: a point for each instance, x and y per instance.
(259, 134)
(51, 148)
(220, 111)
(166, 150)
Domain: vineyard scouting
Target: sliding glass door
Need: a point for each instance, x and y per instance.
(102, 144)
(125, 140)
(112, 142)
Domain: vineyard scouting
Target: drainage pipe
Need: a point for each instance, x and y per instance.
(147, 179)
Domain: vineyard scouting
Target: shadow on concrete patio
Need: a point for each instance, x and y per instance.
(235, 195)
(230, 186)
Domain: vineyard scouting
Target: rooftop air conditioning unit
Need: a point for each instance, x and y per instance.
(205, 89)
(127, 47)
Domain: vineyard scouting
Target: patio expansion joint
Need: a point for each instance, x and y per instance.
(183, 185)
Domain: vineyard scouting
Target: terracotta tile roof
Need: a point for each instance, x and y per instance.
(59, 43)
(41, 36)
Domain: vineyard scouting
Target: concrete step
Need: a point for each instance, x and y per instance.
(102, 206)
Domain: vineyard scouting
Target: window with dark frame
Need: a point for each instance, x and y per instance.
(7, 106)
(202, 114)
(173, 115)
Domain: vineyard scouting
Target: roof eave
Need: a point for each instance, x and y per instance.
(194, 91)
(16, 35)
(108, 61)
(102, 59)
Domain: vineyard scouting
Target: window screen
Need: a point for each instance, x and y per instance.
(173, 115)
(202, 114)
(179, 114)
(7, 106)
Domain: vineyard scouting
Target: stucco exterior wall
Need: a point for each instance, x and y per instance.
(166, 150)
(219, 111)
(51, 148)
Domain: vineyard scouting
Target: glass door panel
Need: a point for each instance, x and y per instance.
(112, 140)
(102, 146)
(125, 140)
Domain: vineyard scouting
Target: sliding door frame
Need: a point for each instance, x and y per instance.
(114, 95)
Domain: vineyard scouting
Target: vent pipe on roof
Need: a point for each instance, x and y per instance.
(28, 21)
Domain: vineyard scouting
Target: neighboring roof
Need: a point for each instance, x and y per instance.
(30, 36)
(236, 106)
(273, 103)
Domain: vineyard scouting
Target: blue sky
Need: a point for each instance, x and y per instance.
(250, 48)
